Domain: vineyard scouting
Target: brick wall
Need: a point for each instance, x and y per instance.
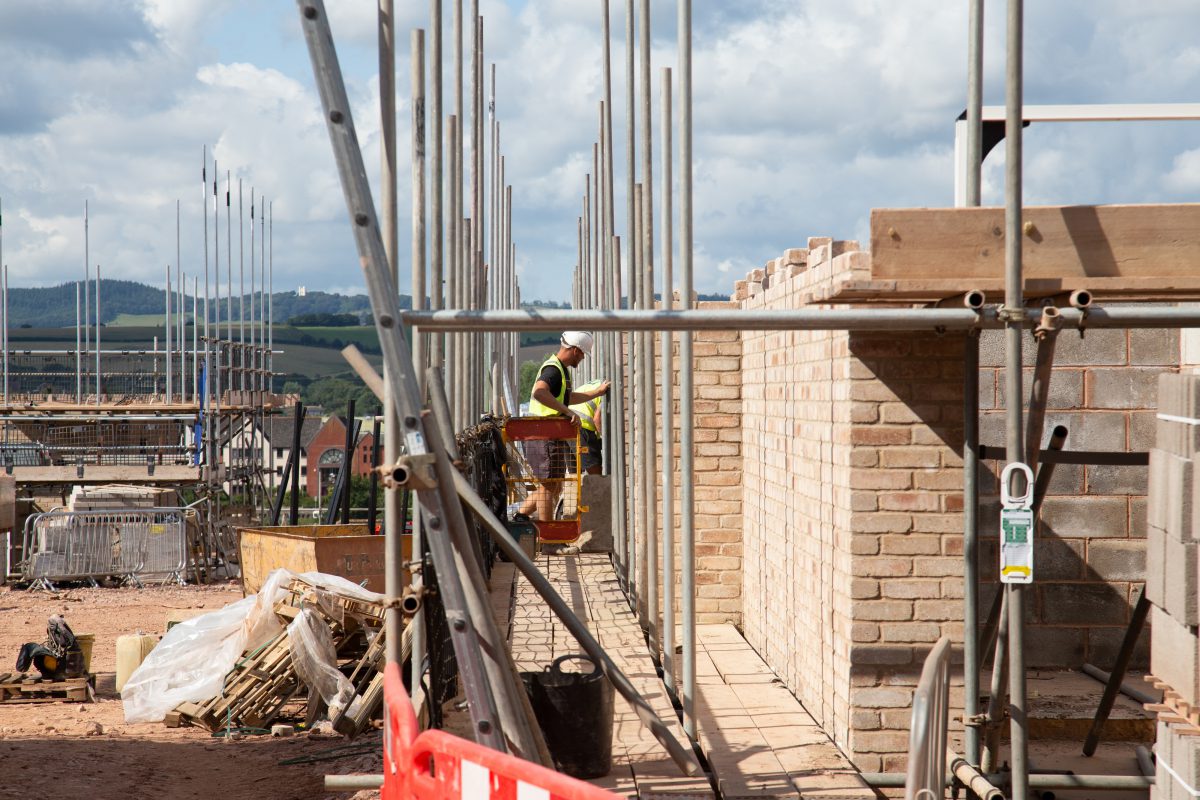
(332, 436)
(717, 481)
(852, 501)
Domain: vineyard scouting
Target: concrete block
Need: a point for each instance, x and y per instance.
(1182, 394)
(1115, 480)
(1178, 438)
(1104, 643)
(1099, 348)
(1058, 559)
(596, 522)
(1054, 648)
(1150, 346)
(1163, 782)
(1182, 755)
(1172, 505)
(1087, 517)
(1156, 567)
(1066, 389)
(1174, 656)
(1115, 560)
(1083, 604)
(1122, 387)
(1179, 580)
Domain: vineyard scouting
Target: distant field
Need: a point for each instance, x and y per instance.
(313, 361)
(362, 335)
(142, 320)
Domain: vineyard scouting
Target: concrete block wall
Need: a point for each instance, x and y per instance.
(1090, 546)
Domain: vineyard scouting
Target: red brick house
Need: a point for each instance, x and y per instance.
(325, 455)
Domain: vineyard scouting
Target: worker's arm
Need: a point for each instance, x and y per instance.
(583, 397)
(542, 393)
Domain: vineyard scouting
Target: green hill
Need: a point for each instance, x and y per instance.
(129, 302)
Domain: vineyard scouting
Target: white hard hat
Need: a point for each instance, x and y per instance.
(580, 339)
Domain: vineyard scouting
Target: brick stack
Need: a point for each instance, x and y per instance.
(1173, 539)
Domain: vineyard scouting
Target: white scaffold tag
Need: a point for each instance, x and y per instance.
(1016, 528)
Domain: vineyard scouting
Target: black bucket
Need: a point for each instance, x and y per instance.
(575, 713)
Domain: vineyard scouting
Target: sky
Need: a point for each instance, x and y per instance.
(808, 114)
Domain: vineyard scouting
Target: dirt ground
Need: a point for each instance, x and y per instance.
(72, 750)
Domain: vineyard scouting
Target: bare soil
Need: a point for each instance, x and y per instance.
(86, 750)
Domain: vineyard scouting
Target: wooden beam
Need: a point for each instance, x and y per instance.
(1060, 243)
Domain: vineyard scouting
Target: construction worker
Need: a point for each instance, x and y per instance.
(553, 395)
(590, 435)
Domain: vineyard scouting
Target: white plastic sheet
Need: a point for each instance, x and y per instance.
(315, 660)
(189, 665)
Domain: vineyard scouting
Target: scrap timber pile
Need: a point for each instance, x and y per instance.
(267, 678)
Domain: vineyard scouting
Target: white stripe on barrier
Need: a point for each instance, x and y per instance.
(475, 780)
(527, 791)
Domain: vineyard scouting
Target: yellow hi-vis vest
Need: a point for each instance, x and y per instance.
(537, 409)
(588, 409)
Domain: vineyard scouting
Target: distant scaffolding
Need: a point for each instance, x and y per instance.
(67, 441)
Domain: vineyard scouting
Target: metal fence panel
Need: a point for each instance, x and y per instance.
(926, 777)
(87, 545)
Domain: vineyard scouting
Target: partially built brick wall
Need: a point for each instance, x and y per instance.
(717, 478)
(852, 501)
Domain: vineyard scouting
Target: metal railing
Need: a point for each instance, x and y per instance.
(132, 545)
(926, 777)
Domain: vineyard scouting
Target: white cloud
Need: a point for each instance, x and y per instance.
(807, 116)
(1185, 172)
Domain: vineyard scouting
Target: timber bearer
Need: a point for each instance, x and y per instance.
(553, 395)
(590, 429)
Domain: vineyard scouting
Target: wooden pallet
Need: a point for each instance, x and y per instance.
(18, 687)
(1173, 708)
(254, 691)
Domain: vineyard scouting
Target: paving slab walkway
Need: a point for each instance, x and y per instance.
(759, 740)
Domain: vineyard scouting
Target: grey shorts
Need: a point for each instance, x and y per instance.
(548, 459)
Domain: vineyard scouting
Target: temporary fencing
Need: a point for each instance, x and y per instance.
(434, 765)
(926, 777)
(133, 545)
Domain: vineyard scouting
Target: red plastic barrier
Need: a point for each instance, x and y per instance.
(434, 765)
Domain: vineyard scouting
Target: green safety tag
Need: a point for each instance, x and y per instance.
(1016, 528)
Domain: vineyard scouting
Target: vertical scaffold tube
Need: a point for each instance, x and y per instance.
(1014, 301)
(667, 424)
(687, 544)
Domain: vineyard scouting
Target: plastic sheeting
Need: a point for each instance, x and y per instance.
(315, 660)
(189, 665)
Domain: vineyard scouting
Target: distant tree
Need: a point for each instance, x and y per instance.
(292, 387)
(325, 320)
(529, 371)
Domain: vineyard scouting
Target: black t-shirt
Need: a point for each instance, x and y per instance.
(553, 378)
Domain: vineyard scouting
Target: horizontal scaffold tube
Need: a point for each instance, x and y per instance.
(856, 319)
(895, 780)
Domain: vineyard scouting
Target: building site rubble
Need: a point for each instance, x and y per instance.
(232, 671)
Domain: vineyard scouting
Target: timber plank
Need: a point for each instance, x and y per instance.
(849, 289)
(1108, 241)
